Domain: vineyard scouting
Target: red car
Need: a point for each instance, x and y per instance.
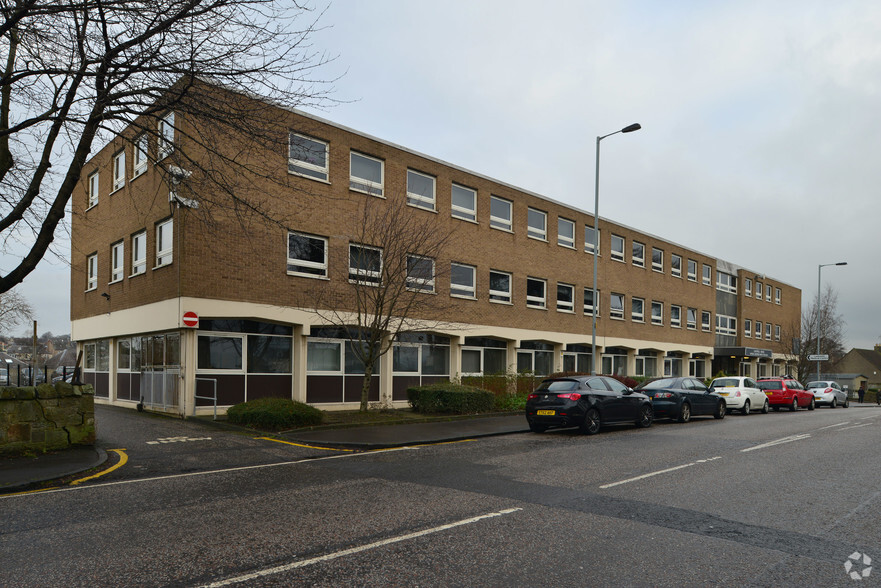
(786, 392)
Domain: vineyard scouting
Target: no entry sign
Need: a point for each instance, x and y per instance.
(191, 319)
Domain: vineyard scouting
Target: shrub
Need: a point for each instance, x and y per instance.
(447, 397)
(274, 414)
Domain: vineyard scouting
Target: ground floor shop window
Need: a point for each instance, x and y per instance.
(535, 357)
(484, 356)
(673, 366)
(576, 358)
(334, 368)
(615, 361)
(646, 364)
(419, 359)
(697, 368)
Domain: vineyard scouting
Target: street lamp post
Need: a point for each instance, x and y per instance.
(819, 273)
(596, 245)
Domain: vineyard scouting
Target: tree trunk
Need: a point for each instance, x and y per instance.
(365, 386)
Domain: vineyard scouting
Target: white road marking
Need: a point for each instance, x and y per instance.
(777, 442)
(358, 549)
(649, 475)
(835, 425)
(855, 427)
(177, 440)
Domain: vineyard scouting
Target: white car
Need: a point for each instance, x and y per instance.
(740, 393)
(828, 392)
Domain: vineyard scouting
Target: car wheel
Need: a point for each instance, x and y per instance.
(745, 409)
(765, 407)
(646, 416)
(794, 406)
(720, 411)
(591, 423)
(812, 406)
(537, 428)
(834, 403)
(684, 413)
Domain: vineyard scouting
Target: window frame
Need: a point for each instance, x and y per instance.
(637, 316)
(468, 292)
(567, 307)
(658, 266)
(748, 287)
(676, 265)
(94, 188)
(768, 290)
(589, 243)
(535, 232)
(768, 330)
(358, 275)
(748, 328)
(564, 240)
(691, 318)
(616, 311)
(501, 296)
(657, 318)
(117, 261)
(707, 274)
(164, 252)
(692, 275)
(420, 200)
(637, 260)
(540, 303)
(497, 222)
(119, 172)
(676, 316)
(140, 154)
(759, 287)
(419, 283)
(308, 169)
(617, 254)
(460, 212)
(139, 263)
(726, 282)
(706, 321)
(590, 310)
(758, 330)
(728, 329)
(91, 272)
(301, 267)
(778, 295)
(364, 185)
(165, 144)
(776, 332)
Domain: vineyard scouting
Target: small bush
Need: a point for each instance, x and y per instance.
(274, 414)
(447, 397)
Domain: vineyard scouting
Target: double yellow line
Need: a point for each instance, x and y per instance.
(123, 459)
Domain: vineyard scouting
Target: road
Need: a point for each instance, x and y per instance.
(781, 499)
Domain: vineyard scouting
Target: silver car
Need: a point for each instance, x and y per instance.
(827, 392)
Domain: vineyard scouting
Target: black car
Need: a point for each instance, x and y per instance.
(682, 398)
(586, 402)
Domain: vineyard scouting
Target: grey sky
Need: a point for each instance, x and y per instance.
(759, 119)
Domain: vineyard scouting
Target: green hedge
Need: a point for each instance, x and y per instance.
(274, 414)
(447, 397)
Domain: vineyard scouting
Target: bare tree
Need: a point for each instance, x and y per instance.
(393, 271)
(797, 344)
(75, 72)
(14, 310)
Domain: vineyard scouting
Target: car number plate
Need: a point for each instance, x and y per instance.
(545, 413)
(769, 393)
(723, 393)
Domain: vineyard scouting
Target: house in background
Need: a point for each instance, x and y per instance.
(862, 361)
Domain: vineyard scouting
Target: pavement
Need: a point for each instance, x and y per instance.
(21, 473)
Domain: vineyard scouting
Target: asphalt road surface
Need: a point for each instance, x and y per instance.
(783, 499)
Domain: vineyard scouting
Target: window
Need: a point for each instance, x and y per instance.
(117, 261)
(638, 257)
(747, 327)
(365, 174)
(499, 286)
(777, 295)
(139, 165)
(535, 293)
(139, 253)
(420, 190)
(707, 275)
(94, 185)
(776, 332)
(420, 273)
(637, 310)
(768, 327)
(726, 282)
(307, 156)
(616, 306)
(675, 316)
(759, 290)
(500, 213)
(588, 302)
(565, 298)
(464, 203)
(219, 353)
(462, 280)
(590, 238)
(726, 325)
(758, 329)
(617, 248)
(706, 320)
(691, 319)
(657, 313)
(657, 259)
(166, 136)
(692, 270)
(676, 265)
(307, 255)
(164, 242)
(118, 170)
(92, 272)
(538, 224)
(748, 287)
(365, 265)
(768, 292)
(565, 232)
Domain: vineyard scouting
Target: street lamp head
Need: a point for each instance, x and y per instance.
(631, 128)
(841, 263)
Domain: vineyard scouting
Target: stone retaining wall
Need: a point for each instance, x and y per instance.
(46, 417)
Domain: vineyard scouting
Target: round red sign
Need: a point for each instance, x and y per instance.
(191, 319)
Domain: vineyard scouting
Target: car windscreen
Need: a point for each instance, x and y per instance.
(726, 382)
(558, 385)
(658, 384)
(819, 385)
(770, 385)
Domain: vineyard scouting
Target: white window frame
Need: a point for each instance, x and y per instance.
(675, 268)
(420, 283)
(363, 185)
(748, 287)
(768, 329)
(537, 231)
(307, 169)
(776, 332)
(119, 170)
(164, 249)
(658, 266)
(589, 236)
(498, 222)
(461, 212)
(117, 261)
(94, 188)
(706, 320)
(777, 295)
(590, 309)
(165, 145)
(758, 331)
(638, 259)
(501, 296)
(616, 306)
(91, 272)
(707, 275)
(726, 282)
(748, 328)
(140, 154)
(565, 232)
(637, 316)
(691, 319)
(768, 289)
(657, 319)
(616, 247)
(421, 200)
(536, 301)
(692, 275)
(304, 267)
(676, 316)
(562, 305)
(459, 290)
(364, 276)
(726, 325)
(139, 264)
(759, 287)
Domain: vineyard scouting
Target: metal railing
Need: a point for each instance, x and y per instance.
(214, 397)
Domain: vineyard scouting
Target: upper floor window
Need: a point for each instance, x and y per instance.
(758, 329)
(499, 286)
(92, 272)
(589, 306)
(536, 292)
(657, 259)
(777, 295)
(747, 328)
(462, 280)
(657, 313)
(307, 255)
(692, 270)
(706, 320)
(590, 239)
(164, 242)
(420, 189)
(676, 265)
(725, 282)
(691, 319)
(139, 253)
(117, 261)
(565, 297)
(768, 331)
(707, 276)
(118, 170)
(726, 325)
(464, 203)
(365, 264)
(638, 257)
(617, 248)
(675, 315)
(420, 273)
(565, 232)
(94, 185)
(366, 174)
(500, 213)
(139, 165)
(166, 136)
(616, 306)
(776, 332)
(538, 224)
(768, 292)
(307, 156)
(759, 290)
(748, 287)
(637, 310)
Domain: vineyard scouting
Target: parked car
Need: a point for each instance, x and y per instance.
(786, 392)
(827, 392)
(741, 394)
(586, 402)
(682, 398)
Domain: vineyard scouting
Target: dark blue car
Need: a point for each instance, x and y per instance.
(682, 398)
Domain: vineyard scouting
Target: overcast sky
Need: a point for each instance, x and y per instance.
(761, 121)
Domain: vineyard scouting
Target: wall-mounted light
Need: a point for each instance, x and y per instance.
(105, 295)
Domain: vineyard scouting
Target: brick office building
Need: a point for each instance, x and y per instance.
(519, 285)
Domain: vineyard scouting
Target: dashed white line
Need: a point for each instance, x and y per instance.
(835, 425)
(855, 427)
(659, 472)
(776, 442)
